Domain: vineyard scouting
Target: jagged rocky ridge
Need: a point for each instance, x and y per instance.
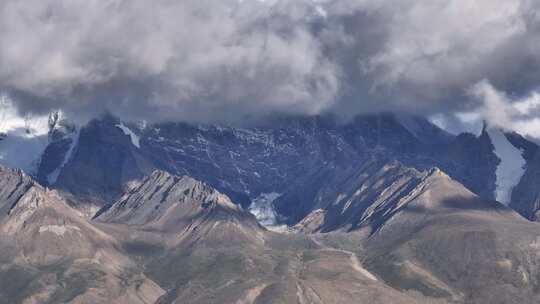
(180, 206)
(250, 163)
(406, 236)
(394, 228)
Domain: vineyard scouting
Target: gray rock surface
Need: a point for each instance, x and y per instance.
(245, 162)
(374, 220)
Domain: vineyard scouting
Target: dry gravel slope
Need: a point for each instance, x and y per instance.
(52, 254)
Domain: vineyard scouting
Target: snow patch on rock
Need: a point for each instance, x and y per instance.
(135, 139)
(511, 168)
(263, 209)
(51, 178)
(339, 198)
(58, 229)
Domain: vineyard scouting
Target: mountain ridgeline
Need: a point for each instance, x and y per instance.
(280, 156)
(381, 209)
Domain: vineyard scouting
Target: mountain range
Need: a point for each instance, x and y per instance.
(384, 208)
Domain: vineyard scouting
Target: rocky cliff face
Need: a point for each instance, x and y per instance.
(370, 216)
(182, 207)
(100, 166)
(526, 194)
(14, 183)
(251, 162)
(245, 163)
(364, 195)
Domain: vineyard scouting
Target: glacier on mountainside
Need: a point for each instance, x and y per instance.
(510, 169)
(263, 209)
(135, 140)
(74, 136)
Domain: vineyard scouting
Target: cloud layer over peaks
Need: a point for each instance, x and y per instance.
(188, 59)
(232, 60)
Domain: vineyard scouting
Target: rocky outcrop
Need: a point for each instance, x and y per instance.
(244, 163)
(473, 162)
(101, 166)
(526, 194)
(182, 206)
(13, 185)
(365, 195)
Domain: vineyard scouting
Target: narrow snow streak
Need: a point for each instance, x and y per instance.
(59, 230)
(135, 140)
(53, 177)
(511, 167)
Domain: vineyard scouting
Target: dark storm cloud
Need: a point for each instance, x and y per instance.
(234, 60)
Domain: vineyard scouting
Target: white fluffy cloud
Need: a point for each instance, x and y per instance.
(166, 56)
(504, 112)
(235, 60)
(431, 38)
